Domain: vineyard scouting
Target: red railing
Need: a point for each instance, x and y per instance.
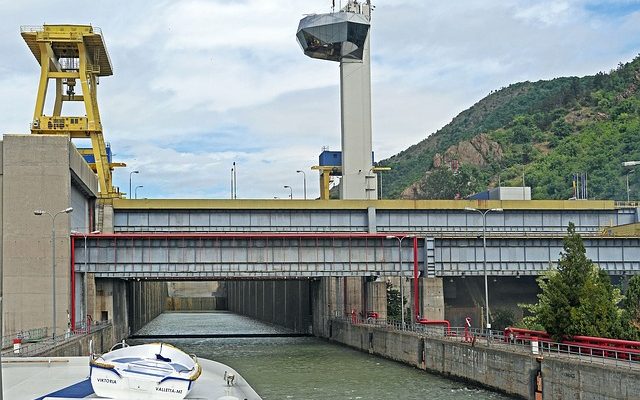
(602, 347)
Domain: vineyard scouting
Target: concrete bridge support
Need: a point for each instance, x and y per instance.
(376, 298)
(431, 302)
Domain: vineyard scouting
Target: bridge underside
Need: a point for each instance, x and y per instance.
(276, 256)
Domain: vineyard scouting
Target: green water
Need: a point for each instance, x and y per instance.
(306, 368)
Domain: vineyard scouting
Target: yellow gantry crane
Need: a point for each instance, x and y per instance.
(73, 54)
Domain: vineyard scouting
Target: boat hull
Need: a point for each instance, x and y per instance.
(110, 384)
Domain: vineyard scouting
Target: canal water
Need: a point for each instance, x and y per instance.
(305, 367)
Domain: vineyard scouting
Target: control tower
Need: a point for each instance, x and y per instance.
(344, 37)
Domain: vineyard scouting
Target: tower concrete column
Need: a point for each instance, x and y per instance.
(432, 298)
(358, 179)
(353, 294)
(377, 298)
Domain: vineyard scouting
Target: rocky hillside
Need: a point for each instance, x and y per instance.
(547, 130)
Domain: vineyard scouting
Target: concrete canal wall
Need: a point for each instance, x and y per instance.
(146, 300)
(102, 338)
(492, 367)
(282, 302)
(574, 380)
(129, 305)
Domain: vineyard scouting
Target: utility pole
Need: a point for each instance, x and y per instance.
(484, 256)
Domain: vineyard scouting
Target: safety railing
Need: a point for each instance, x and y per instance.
(31, 28)
(494, 338)
(40, 28)
(26, 336)
(23, 345)
(627, 204)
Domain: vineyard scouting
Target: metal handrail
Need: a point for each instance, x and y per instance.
(35, 348)
(31, 28)
(497, 339)
(627, 204)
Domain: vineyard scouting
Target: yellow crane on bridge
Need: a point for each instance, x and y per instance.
(72, 54)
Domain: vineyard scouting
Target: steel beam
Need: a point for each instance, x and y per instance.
(300, 255)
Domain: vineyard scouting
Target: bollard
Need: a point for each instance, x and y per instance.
(17, 344)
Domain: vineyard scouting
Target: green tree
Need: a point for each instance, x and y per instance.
(631, 306)
(502, 318)
(394, 312)
(577, 298)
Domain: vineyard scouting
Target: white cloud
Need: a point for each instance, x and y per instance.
(548, 12)
(199, 84)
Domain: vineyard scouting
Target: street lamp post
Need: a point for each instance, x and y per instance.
(400, 239)
(130, 173)
(304, 181)
(629, 164)
(84, 280)
(53, 256)
(484, 257)
(136, 191)
(290, 191)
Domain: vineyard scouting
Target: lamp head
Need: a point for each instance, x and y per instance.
(38, 212)
(390, 237)
(470, 209)
(135, 172)
(67, 210)
(94, 232)
(497, 209)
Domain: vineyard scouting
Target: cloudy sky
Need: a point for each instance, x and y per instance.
(200, 84)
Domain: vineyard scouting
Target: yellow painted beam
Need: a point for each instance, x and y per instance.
(75, 97)
(57, 105)
(274, 204)
(64, 75)
(43, 84)
(325, 180)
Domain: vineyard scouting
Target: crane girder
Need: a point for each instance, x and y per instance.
(66, 54)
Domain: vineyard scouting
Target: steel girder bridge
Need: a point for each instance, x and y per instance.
(265, 239)
(268, 256)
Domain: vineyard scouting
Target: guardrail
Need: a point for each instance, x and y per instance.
(29, 335)
(35, 347)
(497, 339)
(627, 204)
